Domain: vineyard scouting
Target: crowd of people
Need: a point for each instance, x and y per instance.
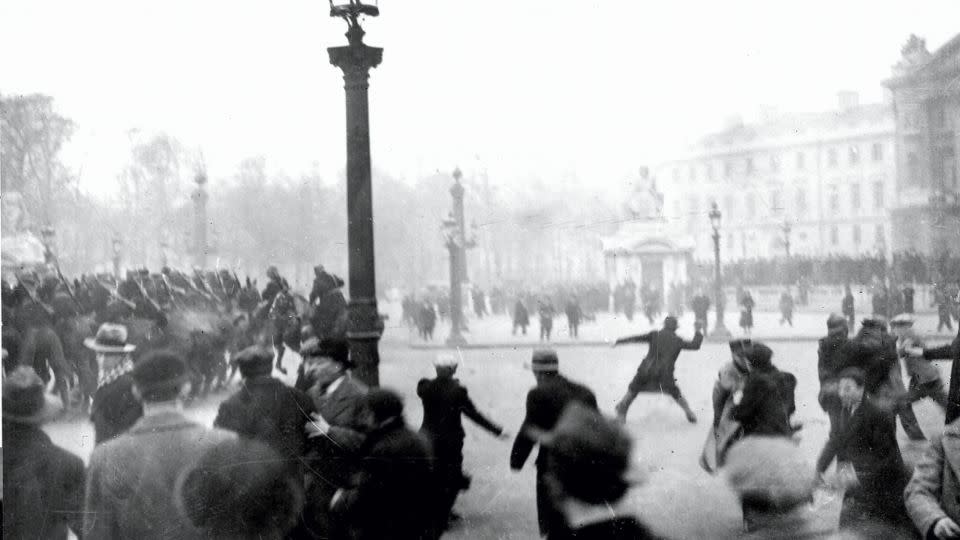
(328, 457)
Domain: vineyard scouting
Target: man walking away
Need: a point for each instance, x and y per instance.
(701, 306)
(521, 317)
(574, 316)
(445, 401)
(545, 403)
(786, 308)
(44, 485)
(655, 373)
(267, 410)
(131, 480)
(847, 308)
(830, 361)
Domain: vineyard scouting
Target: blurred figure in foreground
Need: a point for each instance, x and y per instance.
(44, 484)
(239, 489)
(588, 458)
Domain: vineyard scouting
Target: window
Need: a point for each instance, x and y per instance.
(855, 197)
(801, 161)
(832, 157)
(694, 205)
(877, 152)
(854, 154)
(834, 235)
(856, 234)
(693, 173)
(834, 199)
(774, 163)
(913, 168)
(878, 195)
(776, 204)
(709, 171)
(729, 205)
(801, 200)
(727, 169)
(879, 235)
(676, 208)
(749, 165)
(751, 205)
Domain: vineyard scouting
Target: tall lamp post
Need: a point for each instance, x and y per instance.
(356, 60)
(117, 245)
(200, 198)
(786, 228)
(720, 331)
(455, 238)
(48, 236)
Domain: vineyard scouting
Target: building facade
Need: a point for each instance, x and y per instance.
(926, 105)
(828, 178)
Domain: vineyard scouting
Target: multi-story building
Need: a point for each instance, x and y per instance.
(829, 176)
(926, 99)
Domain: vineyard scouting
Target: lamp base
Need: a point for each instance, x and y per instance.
(720, 333)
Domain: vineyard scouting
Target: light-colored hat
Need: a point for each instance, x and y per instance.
(445, 360)
(110, 338)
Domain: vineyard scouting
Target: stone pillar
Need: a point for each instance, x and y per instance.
(365, 326)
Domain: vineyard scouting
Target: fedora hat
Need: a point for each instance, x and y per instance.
(110, 338)
(25, 399)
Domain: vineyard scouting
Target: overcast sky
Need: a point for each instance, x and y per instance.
(529, 88)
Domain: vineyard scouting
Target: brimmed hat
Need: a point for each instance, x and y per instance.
(545, 361)
(254, 360)
(590, 454)
(160, 370)
(445, 360)
(875, 321)
(110, 338)
(25, 399)
(903, 319)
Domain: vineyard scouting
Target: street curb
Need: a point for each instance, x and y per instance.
(606, 344)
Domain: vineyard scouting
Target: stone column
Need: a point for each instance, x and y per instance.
(365, 326)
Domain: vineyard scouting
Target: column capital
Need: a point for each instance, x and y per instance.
(356, 60)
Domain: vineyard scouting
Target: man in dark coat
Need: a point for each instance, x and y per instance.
(335, 431)
(700, 304)
(874, 351)
(830, 361)
(867, 439)
(574, 316)
(43, 490)
(655, 373)
(786, 308)
(768, 396)
(114, 408)
(847, 307)
(267, 410)
(545, 403)
(546, 313)
(445, 401)
(521, 317)
(378, 504)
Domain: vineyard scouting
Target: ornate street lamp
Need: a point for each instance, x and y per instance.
(720, 331)
(117, 244)
(356, 60)
(786, 228)
(457, 242)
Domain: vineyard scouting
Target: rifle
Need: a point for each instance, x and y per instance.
(56, 266)
(143, 291)
(32, 294)
(115, 293)
(172, 290)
